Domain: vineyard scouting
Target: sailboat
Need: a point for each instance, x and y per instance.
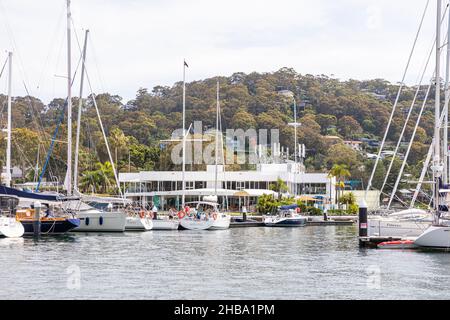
(410, 222)
(220, 220)
(438, 235)
(191, 218)
(9, 226)
(99, 214)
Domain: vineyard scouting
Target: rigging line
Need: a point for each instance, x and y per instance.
(412, 139)
(13, 42)
(369, 185)
(52, 45)
(4, 66)
(55, 134)
(408, 116)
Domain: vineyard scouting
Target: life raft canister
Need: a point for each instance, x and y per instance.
(181, 215)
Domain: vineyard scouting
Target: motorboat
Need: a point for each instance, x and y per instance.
(9, 226)
(404, 223)
(286, 216)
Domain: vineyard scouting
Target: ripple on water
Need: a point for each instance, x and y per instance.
(248, 263)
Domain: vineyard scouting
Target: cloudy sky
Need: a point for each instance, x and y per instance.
(142, 43)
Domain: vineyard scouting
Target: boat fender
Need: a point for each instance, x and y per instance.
(181, 215)
(215, 216)
(100, 221)
(187, 209)
(142, 214)
(299, 210)
(86, 221)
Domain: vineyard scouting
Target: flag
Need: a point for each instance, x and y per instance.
(186, 64)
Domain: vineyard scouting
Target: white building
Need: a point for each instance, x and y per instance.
(239, 188)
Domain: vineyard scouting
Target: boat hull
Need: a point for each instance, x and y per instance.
(221, 223)
(165, 224)
(138, 224)
(97, 221)
(435, 237)
(193, 224)
(393, 228)
(286, 223)
(51, 227)
(11, 228)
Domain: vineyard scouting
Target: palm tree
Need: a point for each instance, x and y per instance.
(100, 179)
(340, 172)
(279, 186)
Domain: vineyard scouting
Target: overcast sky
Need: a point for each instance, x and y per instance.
(142, 43)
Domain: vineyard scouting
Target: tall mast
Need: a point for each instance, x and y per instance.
(80, 106)
(8, 147)
(217, 138)
(184, 135)
(447, 97)
(69, 101)
(437, 125)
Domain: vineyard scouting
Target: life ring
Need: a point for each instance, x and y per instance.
(142, 214)
(214, 216)
(181, 215)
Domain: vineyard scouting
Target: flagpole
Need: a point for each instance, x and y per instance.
(184, 134)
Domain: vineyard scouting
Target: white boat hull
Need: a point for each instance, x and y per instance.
(435, 237)
(165, 224)
(138, 224)
(11, 228)
(97, 221)
(222, 222)
(194, 224)
(395, 228)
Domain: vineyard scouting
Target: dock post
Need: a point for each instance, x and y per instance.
(362, 220)
(37, 219)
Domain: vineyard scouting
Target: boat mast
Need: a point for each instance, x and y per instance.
(80, 106)
(184, 135)
(8, 148)
(217, 139)
(69, 101)
(437, 124)
(447, 97)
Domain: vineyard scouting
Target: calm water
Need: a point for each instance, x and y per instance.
(253, 263)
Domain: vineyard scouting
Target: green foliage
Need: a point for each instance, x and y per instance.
(325, 105)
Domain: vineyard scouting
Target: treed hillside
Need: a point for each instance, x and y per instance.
(326, 107)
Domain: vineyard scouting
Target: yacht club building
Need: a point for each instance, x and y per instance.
(234, 188)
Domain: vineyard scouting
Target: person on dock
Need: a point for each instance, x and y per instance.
(155, 212)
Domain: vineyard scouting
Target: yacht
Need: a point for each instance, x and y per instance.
(405, 223)
(138, 221)
(101, 216)
(286, 216)
(201, 217)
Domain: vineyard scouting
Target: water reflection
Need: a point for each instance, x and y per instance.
(248, 263)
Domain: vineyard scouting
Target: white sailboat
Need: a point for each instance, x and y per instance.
(410, 222)
(438, 235)
(9, 226)
(221, 220)
(97, 214)
(190, 219)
